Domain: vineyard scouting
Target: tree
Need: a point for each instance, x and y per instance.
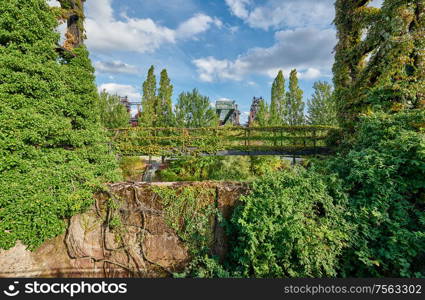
(148, 116)
(262, 117)
(194, 110)
(294, 101)
(164, 108)
(113, 113)
(277, 105)
(54, 152)
(321, 107)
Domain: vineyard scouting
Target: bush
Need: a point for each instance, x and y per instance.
(237, 168)
(290, 225)
(384, 175)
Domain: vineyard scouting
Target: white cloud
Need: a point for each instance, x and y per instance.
(106, 33)
(53, 3)
(195, 25)
(309, 50)
(244, 117)
(121, 90)
(376, 3)
(239, 8)
(278, 13)
(115, 67)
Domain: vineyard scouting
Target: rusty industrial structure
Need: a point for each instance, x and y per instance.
(254, 110)
(128, 104)
(228, 112)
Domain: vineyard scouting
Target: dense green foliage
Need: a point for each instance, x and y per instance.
(360, 214)
(277, 103)
(53, 152)
(263, 114)
(379, 58)
(113, 114)
(157, 109)
(221, 168)
(148, 116)
(194, 110)
(164, 106)
(321, 107)
(294, 101)
(195, 141)
(189, 212)
(291, 225)
(384, 176)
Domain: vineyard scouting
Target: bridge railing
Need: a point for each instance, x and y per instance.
(192, 141)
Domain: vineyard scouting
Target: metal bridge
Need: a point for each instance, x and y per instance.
(235, 140)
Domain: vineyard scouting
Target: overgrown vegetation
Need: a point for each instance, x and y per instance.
(53, 152)
(238, 168)
(361, 214)
(358, 214)
(113, 113)
(132, 167)
(291, 225)
(191, 212)
(384, 176)
(379, 58)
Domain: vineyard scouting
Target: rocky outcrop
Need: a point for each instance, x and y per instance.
(130, 238)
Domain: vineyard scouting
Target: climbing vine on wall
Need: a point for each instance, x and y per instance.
(191, 213)
(379, 58)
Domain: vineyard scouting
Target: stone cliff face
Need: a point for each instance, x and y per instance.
(144, 245)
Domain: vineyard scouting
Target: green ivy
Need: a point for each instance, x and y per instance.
(53, 152)
(290, 225)
(384, 175)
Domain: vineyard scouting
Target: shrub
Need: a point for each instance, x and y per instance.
(384, 175)
(290, 225)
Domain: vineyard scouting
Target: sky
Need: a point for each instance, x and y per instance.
(225, 48)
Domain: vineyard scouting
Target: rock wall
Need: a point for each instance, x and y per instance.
(145, 245)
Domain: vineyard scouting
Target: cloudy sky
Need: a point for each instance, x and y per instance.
(225, 48)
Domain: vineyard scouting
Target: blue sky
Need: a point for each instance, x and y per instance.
(224, 48)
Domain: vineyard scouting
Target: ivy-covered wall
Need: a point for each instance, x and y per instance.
(379, 58)
(53, 152)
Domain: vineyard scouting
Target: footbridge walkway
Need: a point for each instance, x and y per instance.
(283, 140)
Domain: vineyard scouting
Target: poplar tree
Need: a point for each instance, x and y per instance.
(294, 101)
(321, 107)
(277, 105)
(164, 108)
(148, 116)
